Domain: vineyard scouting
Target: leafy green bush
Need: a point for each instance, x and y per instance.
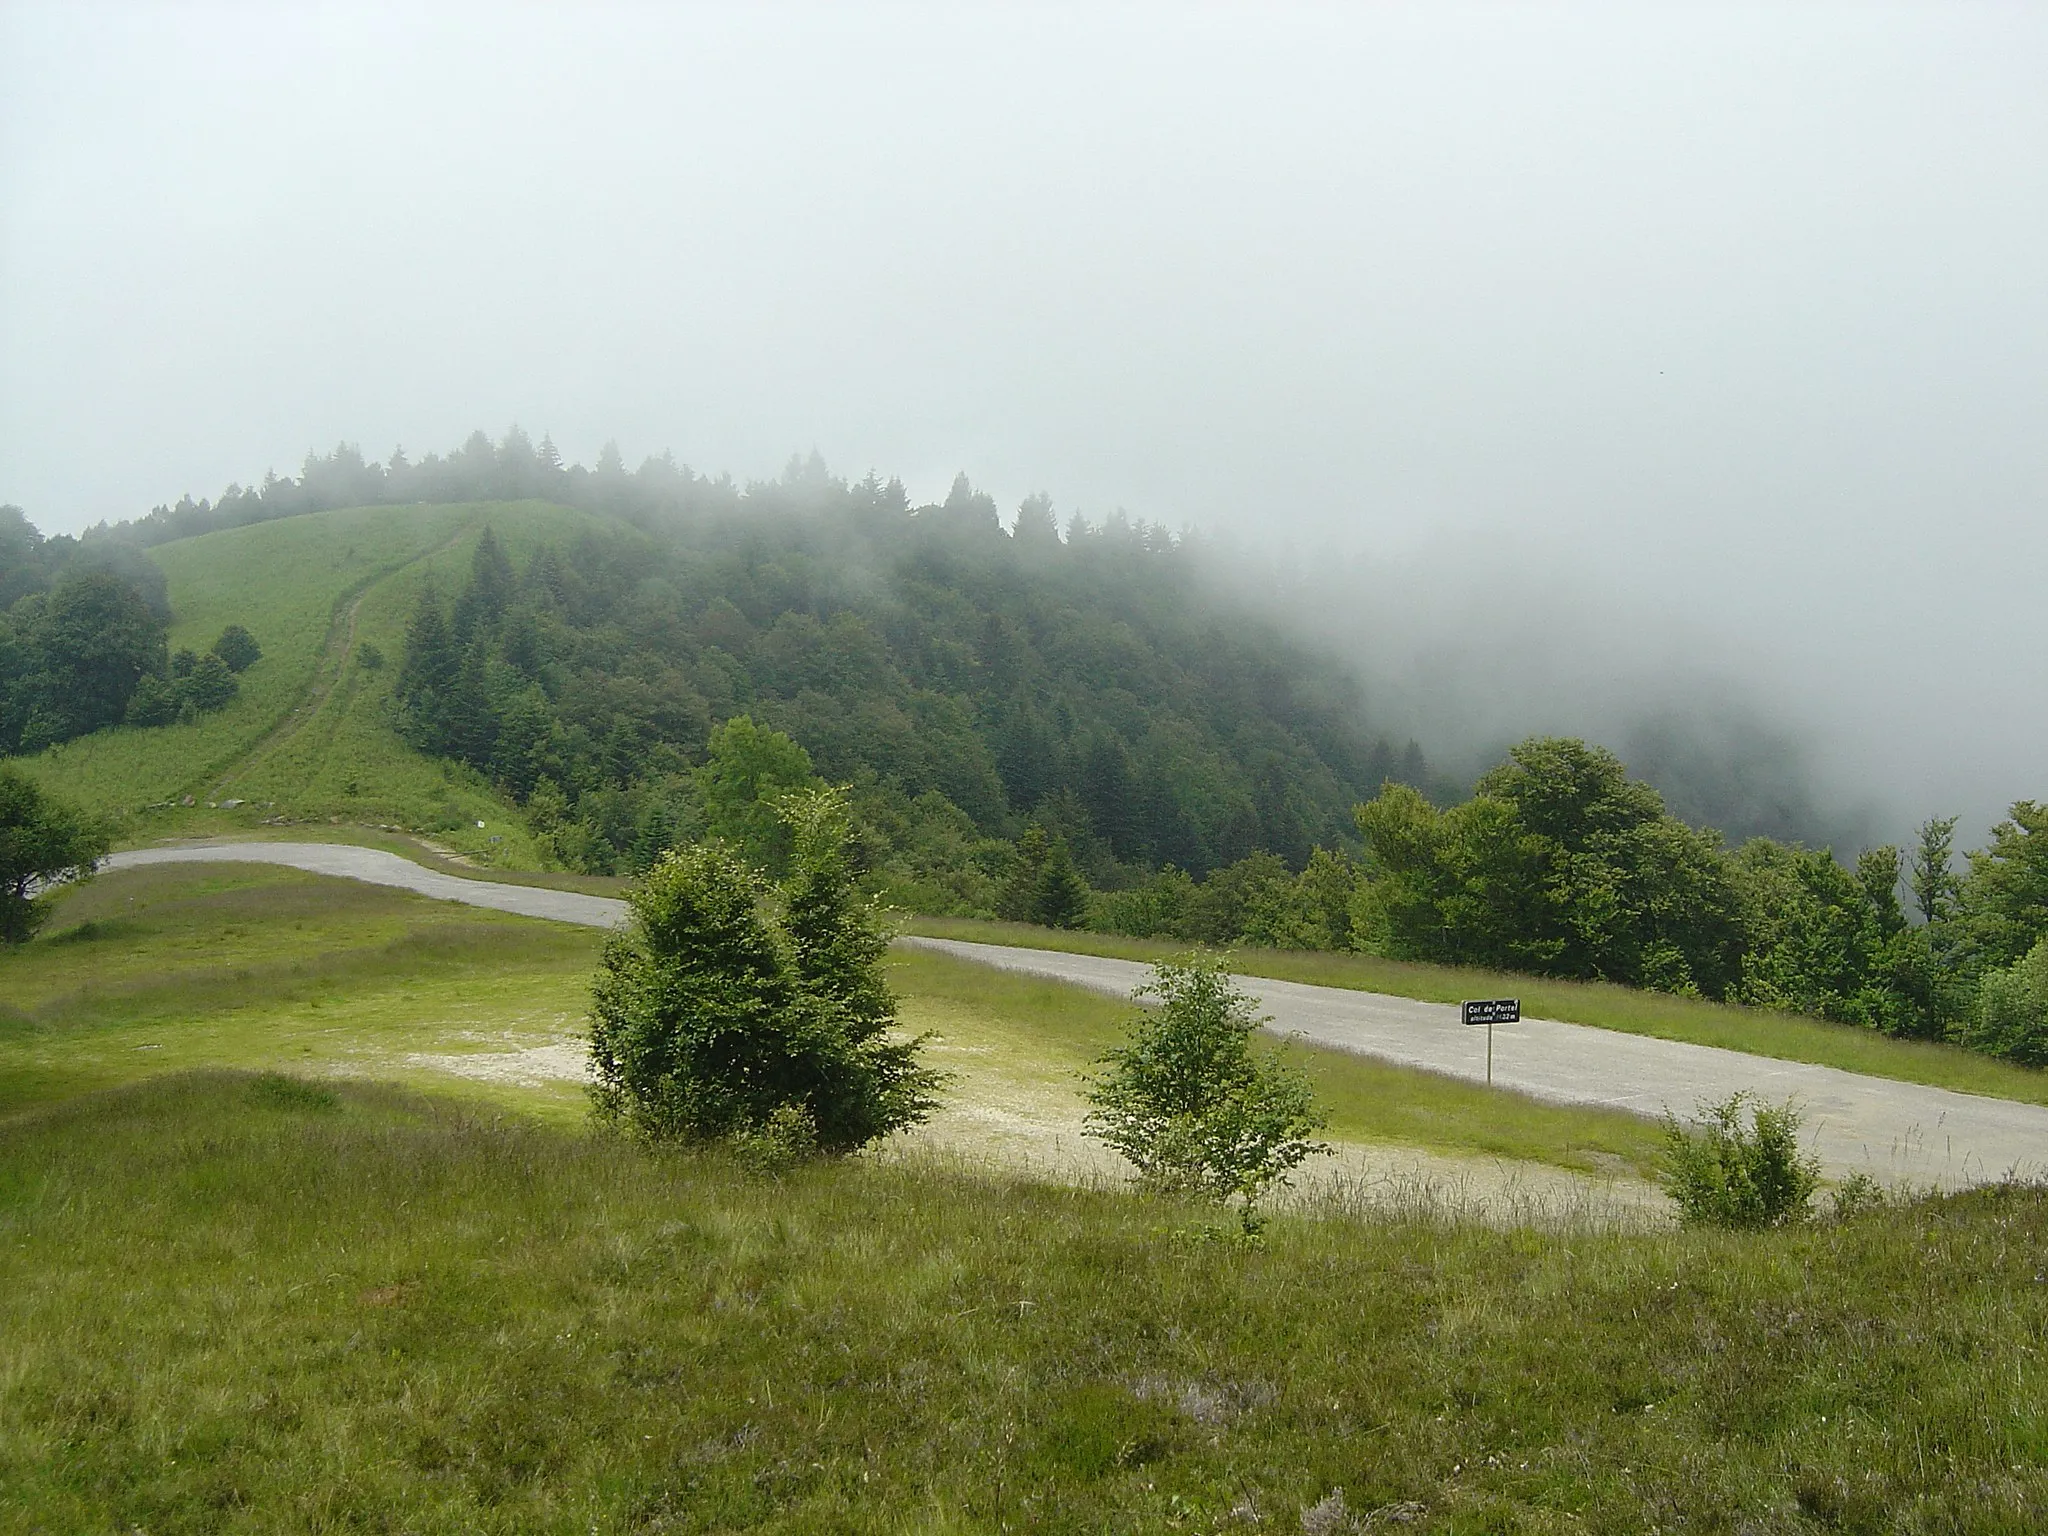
(1190, 1104)
(42, 843)
(237, 648)
(1728, 1174)
(2011, 1019)
(730, 1010)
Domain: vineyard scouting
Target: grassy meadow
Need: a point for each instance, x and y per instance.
(182, 966)
(238, 1302)
(1758, 1031)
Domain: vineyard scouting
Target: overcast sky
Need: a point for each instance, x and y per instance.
(1715, 336)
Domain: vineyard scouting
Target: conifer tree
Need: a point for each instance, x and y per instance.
(713, 1021)
(1061, 900)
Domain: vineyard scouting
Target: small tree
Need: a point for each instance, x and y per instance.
(1728, 1174)
(1061, 897)
(42, 843)
(746, 770)
(1188, 1101)
(211, 685)
(238, 648)
(713, 1018)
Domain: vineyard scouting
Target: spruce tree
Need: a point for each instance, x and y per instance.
(1061, 900)
(426, 677)
(713, 1020)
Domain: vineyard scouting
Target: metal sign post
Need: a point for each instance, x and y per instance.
(1491, 1011)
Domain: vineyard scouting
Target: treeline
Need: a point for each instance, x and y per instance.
(1562, 865)
(82, 642)
(966, 680)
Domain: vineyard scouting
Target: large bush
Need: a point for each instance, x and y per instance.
(730, 1007)
(2012, 1011)
(1560, 864)
(42, 843)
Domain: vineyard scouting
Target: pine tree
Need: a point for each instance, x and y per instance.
(470, 724)
(1019, 900)
(426, 677)
(491, 586)
(1037, 528)
(712, 1021)
(1934, 882)
(1061, 900)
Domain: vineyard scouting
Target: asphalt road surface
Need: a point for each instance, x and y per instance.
(1895, 1131)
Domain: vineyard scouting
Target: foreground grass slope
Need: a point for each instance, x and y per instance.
(1757, 1031)
(239, 1303)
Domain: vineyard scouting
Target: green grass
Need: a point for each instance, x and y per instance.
(308, 740)
(157, 969)
(180, 966)
(237, 1304)
(1760, 1032)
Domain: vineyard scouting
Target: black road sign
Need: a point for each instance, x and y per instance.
(1492, 1010)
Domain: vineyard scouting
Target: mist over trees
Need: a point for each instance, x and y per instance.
(967, 681)
(1076, 726)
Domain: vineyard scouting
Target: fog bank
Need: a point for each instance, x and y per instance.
(1680, 363)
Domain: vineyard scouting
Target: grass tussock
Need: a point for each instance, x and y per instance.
(1757, 1031)
(233, 1305)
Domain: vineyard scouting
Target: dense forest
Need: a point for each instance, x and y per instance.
(966, 680)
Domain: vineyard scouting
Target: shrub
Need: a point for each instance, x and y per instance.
(210, 686)
(730, 1010)
(2011, 1017)
(237, 648)
(154, 702)
(1728, 1174)
(1857, 1195)
(42, 843)
(1189, 1103)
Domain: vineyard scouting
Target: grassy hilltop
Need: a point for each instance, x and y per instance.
(308, 738)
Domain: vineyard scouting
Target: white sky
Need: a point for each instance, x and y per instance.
(1717, 332)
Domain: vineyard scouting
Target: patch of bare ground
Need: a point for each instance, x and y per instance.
(1012, 1126)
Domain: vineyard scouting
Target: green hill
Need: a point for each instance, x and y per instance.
(970, 681)
(308, 737)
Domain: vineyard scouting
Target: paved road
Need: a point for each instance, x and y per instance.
(1892, 1130)
(376, 867)
(1897, 1131)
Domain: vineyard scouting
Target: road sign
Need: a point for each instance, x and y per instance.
(1491, 1011)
